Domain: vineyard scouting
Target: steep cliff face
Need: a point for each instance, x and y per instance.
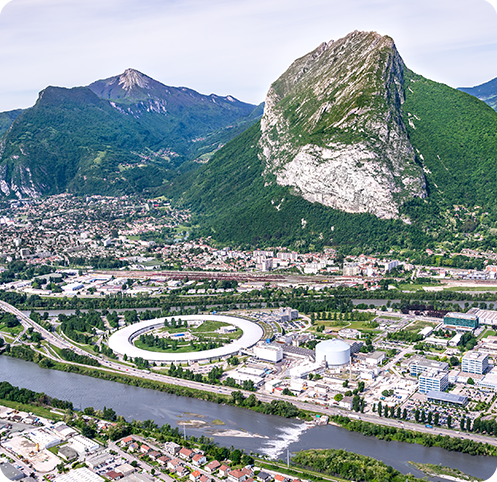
(332, 128)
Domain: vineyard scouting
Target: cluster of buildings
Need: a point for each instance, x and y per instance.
(64, 226)
(183, 462)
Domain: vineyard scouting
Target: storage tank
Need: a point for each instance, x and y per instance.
(333, 352)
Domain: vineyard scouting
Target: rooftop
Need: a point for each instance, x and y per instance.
(446, 397)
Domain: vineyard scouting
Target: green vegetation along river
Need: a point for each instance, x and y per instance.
(245, 429)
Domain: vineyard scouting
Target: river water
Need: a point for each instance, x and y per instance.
(229, 426)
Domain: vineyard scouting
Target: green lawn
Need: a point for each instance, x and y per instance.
(14, 331)
(419, 325)
(471, 288)
(489, 333)
(40, 411)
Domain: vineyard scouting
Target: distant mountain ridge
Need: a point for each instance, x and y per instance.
(486, 92)
(123, 134)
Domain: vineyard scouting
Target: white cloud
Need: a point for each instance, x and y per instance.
(493, 3)
(228, 47)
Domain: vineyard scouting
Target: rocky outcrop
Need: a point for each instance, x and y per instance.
(332, 128)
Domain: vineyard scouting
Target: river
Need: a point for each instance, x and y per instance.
(251, 431)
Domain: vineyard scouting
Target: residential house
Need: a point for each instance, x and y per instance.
(199, 459)
(133, 447)
(224, 471)
(211, 467)
(163, 460)
(154, 455)
(126, 441)
(186, 454)
(194, 476)
(173, 464)
(237, 476)
(264, 476)
(182, 471)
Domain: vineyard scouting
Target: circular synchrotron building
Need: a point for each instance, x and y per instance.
(333, 352)
(122, 340)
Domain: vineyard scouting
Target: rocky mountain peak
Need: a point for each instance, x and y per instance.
(131, 78)
(333, 129)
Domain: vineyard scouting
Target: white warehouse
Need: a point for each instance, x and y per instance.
(333, 352)
(268, 352)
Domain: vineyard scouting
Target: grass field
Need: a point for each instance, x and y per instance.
(207, 330)
(471, 288)
(419, 325)
(40, 411)
(489, 333)
(14, 331)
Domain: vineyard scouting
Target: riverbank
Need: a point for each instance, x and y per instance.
(447, 473)
(277, 407)
(276, 434)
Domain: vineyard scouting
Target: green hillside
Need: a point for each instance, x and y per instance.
(455, 136)
(6, 119)
(455, 139)
(486, 92)
(235, 207)
(124, 140)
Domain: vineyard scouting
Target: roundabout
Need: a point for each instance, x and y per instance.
(122, 341)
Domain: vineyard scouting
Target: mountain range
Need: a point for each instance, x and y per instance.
(118, 135)
(486, 92)
(352, 149)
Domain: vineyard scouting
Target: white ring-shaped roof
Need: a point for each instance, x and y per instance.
(121, 340)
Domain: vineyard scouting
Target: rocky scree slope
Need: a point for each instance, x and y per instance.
(333, 129)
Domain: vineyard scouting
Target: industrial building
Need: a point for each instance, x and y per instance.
(465, 321)
(121, 341)
(485, 317)
(267, 352)
(421, 365)
(474, 362)
(9, 472)
(442, 397)
(333, 352)
(433, 380)
(376, 358)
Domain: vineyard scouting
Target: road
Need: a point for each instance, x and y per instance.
(110, 365)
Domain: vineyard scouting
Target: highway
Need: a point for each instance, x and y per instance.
(110, 365)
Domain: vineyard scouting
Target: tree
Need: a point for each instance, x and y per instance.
(88, 431)
(430, 417)
(379, 409)
(404, 414)
(109, 414)
(338, 397)
(454, 361)
(345, 384)
(470, 381)
(449, 421)
(462, 423)
(436, 418)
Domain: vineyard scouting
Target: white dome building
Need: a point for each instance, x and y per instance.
(333, 352)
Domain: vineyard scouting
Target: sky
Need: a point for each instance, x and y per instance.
(229, 47)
